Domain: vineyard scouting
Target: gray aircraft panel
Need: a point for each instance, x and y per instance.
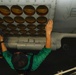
(63, 12)
(65, 16)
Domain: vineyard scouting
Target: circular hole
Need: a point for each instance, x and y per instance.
(6, 31)
(29, 10)
(31, 31)
(14, 32)
(11, 26)
(1, 20)
(2, 26)
(31, 26)
(41, 32)
(21, 26)
(42, 10)
(23, 31)
(19, 19)
(41, 26)
(17, 10)
(30, 19)
(8, 19)
(4, 10)
(41, 19)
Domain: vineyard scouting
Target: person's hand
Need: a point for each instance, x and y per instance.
(1, 38)
(49, 27)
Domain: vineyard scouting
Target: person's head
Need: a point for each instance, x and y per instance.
(19, 60)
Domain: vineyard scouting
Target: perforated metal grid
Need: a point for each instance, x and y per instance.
(16, 24)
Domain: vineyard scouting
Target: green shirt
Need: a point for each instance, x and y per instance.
(37, 59)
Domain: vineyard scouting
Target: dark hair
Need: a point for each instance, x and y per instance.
(19, 60)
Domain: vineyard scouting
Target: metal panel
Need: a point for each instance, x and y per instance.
(36, 43)
(65, 18)
(26, 2)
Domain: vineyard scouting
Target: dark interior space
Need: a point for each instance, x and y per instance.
(60, 59)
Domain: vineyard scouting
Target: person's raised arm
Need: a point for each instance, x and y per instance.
(2, 44)
(48, 29)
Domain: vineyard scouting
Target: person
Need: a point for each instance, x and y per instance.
(21, 61)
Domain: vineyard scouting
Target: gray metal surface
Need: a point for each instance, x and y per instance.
(27, 2)
(22, 3)
(65, 16)
(62, 11)
(36, 43)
